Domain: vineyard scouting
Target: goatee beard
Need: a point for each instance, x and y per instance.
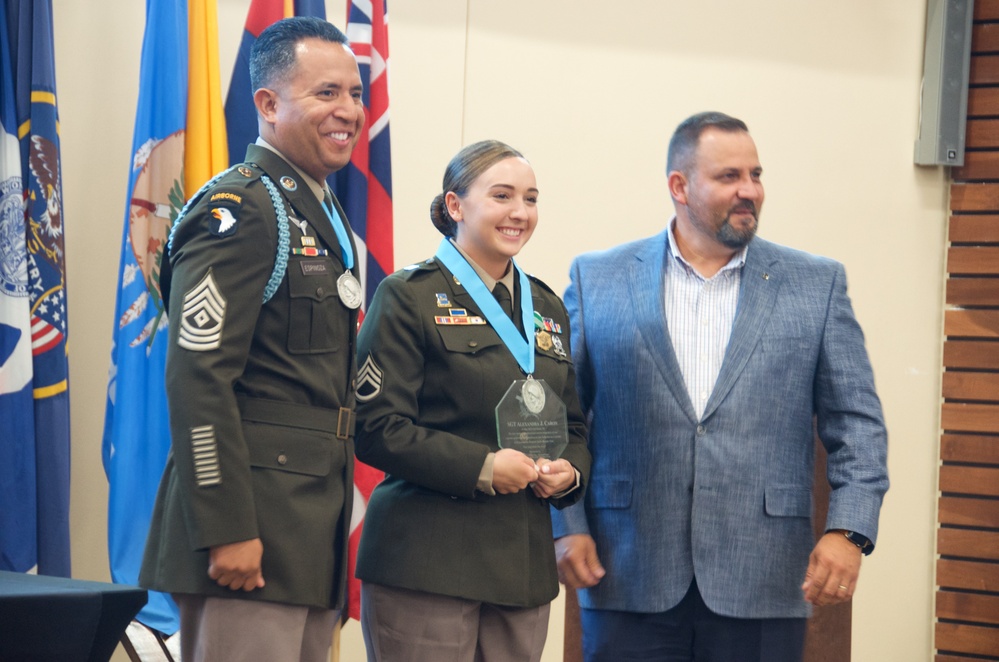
(729, 237)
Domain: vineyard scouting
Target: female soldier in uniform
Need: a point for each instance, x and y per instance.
(456, 556)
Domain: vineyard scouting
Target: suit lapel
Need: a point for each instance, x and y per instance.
(761, 280)
(647, 274)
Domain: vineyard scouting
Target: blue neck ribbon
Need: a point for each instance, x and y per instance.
(522, 348)
(340, 227)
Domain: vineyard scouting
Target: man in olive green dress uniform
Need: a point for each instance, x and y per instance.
(250, 527)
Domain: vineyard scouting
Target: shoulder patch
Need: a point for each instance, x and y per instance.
(202, 317)
(223, 219)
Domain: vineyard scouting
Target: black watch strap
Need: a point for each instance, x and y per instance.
(863, 542)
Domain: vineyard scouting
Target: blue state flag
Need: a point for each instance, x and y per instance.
(19, 514)
(136, 426)
(29, 25)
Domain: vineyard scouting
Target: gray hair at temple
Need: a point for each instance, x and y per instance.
(273, 54)
(683, 144)
(461, 173)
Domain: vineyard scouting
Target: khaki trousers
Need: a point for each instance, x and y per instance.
(400, 625)
(230, 629)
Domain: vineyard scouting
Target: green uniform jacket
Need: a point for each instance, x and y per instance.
(427, 393)
(255, 392)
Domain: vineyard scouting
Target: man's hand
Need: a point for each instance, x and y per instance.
(553, 478)
(237, 565)
(512, 471)
(833, 568)
(578, 565)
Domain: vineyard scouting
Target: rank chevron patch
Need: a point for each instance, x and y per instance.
(369, 380)
(202, 317)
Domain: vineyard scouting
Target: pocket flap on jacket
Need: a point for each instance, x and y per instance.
(467, 339)
(788, 502)
(611, 493)
(312, 279)
(288, 449)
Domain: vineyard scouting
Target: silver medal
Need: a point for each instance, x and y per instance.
(349, 289)
(533, 394)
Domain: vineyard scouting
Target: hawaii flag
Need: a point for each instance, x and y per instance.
(364, 189)
(178, 144)
(34, 386)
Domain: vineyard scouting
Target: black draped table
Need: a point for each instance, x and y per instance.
(51, 618)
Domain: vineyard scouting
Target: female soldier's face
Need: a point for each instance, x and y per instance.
(497, 215)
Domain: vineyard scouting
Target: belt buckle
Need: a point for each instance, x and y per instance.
(343, 424)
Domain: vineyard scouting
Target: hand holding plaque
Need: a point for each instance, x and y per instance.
(531, 419)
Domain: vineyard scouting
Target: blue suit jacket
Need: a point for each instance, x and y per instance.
(727, 498)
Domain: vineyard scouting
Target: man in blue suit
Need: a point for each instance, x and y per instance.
(704, 357)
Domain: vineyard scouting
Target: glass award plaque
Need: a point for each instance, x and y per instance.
(531, 419)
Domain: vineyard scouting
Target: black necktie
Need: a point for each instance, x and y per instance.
(503, 297)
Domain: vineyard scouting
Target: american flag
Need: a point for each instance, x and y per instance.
(364, 189)
(45, 336)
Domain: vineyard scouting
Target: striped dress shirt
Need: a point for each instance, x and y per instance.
(699, 316)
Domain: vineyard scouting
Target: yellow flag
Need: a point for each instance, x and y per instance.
(205, 151)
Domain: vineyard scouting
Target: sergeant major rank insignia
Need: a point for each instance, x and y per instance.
(203, 316)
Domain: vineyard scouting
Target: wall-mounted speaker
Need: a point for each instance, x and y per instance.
(943, 109)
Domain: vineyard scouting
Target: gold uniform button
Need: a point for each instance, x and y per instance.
(473, 343)
(320, 291)
(282, 459)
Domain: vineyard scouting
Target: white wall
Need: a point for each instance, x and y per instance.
(590, 93)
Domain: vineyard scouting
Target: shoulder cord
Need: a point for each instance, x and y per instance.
(284, 237)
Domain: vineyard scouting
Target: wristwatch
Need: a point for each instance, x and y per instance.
(863, 542)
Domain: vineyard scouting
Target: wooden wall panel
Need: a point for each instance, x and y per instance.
(972, 260)
(979, 166)
(984, 69)
(982, 133)
(975, 354)
(965, 511)
(977, 197)
(956, 479)
(985, 37)
(970, 449)
(973, 291)
(986, 10)
(971, 385)
(968, 542)
(974, 639)
(967, 571)
(983, 101)
(977, 229)
(962, 417)
(968, 607)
